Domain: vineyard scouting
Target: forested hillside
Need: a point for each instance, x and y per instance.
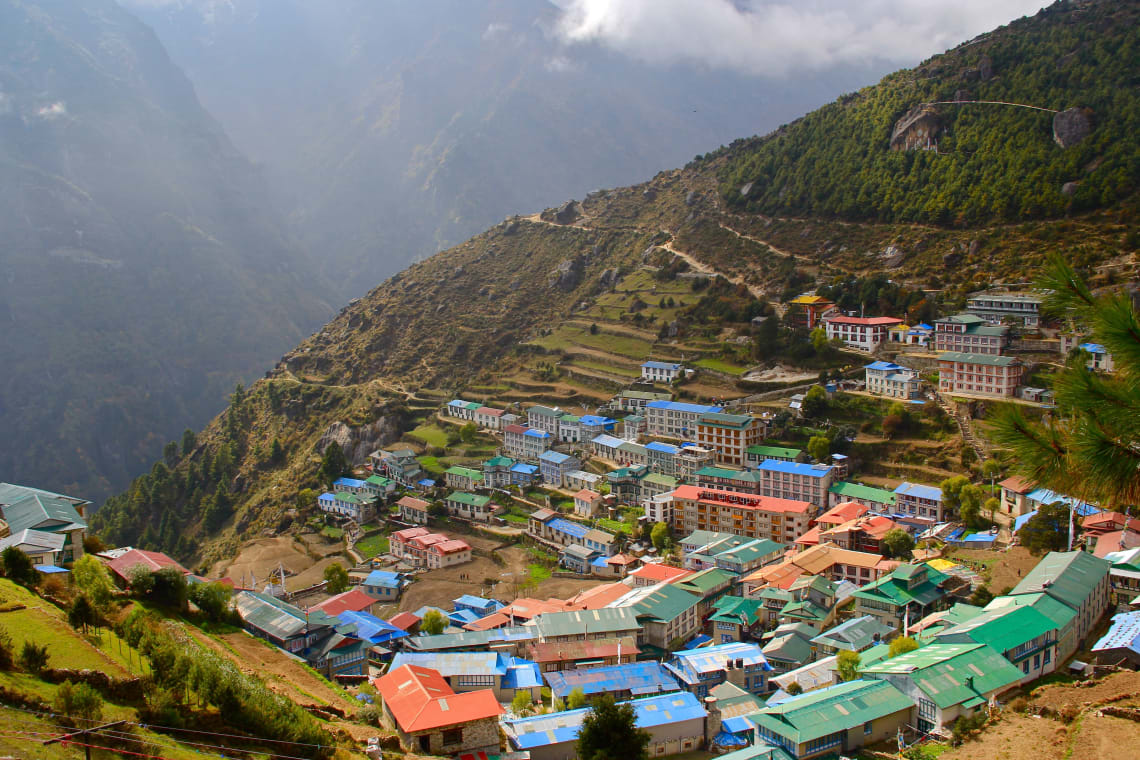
(992, 163)
(561, 308)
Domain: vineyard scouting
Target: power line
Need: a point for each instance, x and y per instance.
(988, 103)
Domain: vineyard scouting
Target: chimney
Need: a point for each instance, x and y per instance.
(712, 720)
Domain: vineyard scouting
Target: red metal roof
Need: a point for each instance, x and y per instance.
(841, 513)
(1017, 485)
(420, 700)
(152, 561)
(354, 600)
(655, 571)
(868, 321)
(404, 620)
(568, 651)
(407, 534)
(413, 502)
(740, 500)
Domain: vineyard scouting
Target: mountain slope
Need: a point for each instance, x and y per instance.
(399, 129)
(143, 272)
(560, 308)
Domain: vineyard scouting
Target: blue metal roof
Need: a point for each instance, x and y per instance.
(349, 483)
(536, 433)
(637, 677)
(737, 725)
(795, 468)
(554, 457)
(666, 448)
(601, 562)
(919, 491)
(562, 525)
(1093, 348)
(371, 628)
(463, 617)
(593, 419)
(712, 659)
(884, 366)
(522, 674)
(1045, 496)
(987, 536)
(477, 602)
(523, 467)
(697, 641)
(608, 441)
(457, 402)
(1124, 633)
(681, 406)
(1019, 522)
(661, 365)
(562, 727)
(382, 578)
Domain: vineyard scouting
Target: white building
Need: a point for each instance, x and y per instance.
(892, 380)
(998, 307)
(675, 419)
(864, 333)
(660, 372)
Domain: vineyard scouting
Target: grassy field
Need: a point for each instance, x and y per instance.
(719, 365)
(431, 434)
(538, 573)
(335, 534)
(372, 546)
(613, 369)
(613, 526)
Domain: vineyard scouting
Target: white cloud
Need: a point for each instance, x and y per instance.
(53, 111)
(494, 30)
(560, 64)
(771, 37)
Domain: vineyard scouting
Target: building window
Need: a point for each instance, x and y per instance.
(867, 728)
(453, 736)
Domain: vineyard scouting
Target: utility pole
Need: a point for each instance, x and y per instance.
(84, 734)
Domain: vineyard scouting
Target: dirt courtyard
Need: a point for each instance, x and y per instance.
(304, 561)
(1006, 569)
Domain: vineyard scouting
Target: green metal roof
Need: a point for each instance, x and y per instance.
(747, 552)
(991, 360)
(774, 452)
(666, 603)
(464, 472)
(951, 674)
(737, 609)
(659, 479)
(10, 493)
(855, 634)
(706, 580)
(805, 610)
(860, 491)
(499, 462)
(1003, 629)
(40, 511)
(569, 418)
(471, 499)
(788, 647)
(348, 498)
(1054, 609)
(1070, 577)
(377, 480)
(894, 587)
(720, 472)
(832, 709)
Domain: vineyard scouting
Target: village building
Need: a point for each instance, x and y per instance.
(807, 311)
(524, 475)
(627, 681)
(995, 308)
(667, 615)
(606, 447)
(908, 335)
(863, 333)
(470, 506)
(497, 472)
(311, 636)
(588, 503)
(854, 635)
(969, 333)
(1121, 645)
(1014, 491)
(776, 519)
(659, 508)
(675, 723)
(123, 565)
(43, 548)
(625, 482)
(729, 552)
(661, 372)
(463, 478)
(653, 573)
(585, 625)
(462, 410)
(947, 681)
(554, 466)
(691, 459)
(725, 479)
(384, 585)
(797, 481)
(735, 618)
(353, 600)
(504, 674)
(892, 381)
(379, 487)
(979, 374)
(730, 435)
(560, 656)
(413, 510)
(24, 508)
(634, 401)
(754, 455)
(909, 592)
(919, 501)
(545, 418)
(836, 719)
(675, 419)
(576, 480)
(1021, 634)
(489, 418)
(1078, 580)
(431, 719)
(875, 499)
(740, 663)
(360, 509)
(826, 560)
(862, 534)
(662, 457)
(524, 442)
(654, 484)
(400, 465)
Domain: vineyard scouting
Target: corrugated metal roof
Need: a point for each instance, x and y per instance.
(557, 728)
(951, 674)
(1070, 577)
(795, 468)
(637, 677)
(605, 620)
(816, 714)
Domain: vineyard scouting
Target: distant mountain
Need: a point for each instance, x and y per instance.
(398, 129)
(562, 308)
(142, 272)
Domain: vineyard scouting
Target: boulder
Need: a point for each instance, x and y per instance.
(1069, 188)
(985, 68)
(568, 274)
(358, 442)
(1071, 126)
(649, 194)
(567, 213)
(690, 198)
(609, 278)
(746, 189)
(918, 128)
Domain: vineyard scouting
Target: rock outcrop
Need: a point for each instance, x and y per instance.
(1071, 126)
(918, 129)
(358, 442)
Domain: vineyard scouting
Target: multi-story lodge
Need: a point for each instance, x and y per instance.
(969, 333)
(864, 333)
(979, 374)
(892, 380)
(780, 520)
(998, 307)
(660, 372)
(730, 435)
(796, 480)
(675, 419)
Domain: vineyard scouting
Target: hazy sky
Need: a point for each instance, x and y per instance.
(771, 37)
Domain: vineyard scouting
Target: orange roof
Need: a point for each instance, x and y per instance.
(587, 495)
(816, 560)
(450, 546)
(875, 526)
(420, 700)
(659, 573)
(841, 513)
(740, 500)
(414, 503)
(354, 600)
(152, 561)
(520, 609)
(599, 596)
(622, 559)
(809, 538)
(1116, 541)
(1018, 485)
(1109, 521)
(781, 575)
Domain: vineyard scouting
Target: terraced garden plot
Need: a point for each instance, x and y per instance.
(720, 365)
(431, 434)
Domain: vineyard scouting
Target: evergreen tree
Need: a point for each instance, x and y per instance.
(333, 464)
(18, 567)
(609, 732)
(189, 441)
(336, 578)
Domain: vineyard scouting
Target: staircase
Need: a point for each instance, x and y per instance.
(961, 415)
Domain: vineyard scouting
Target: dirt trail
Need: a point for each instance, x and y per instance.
(774, 249)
